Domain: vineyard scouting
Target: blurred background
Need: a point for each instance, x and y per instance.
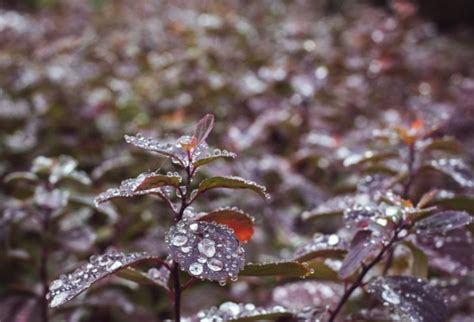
(295, 87)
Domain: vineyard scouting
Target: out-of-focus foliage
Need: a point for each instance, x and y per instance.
(311, 99)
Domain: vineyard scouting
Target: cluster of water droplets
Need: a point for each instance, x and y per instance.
(150, 144)
(249, 184)
(160, 275)
(206, 250)
(321, 244)
(413, 298)
(69, 286)
(229, 311)
(456, 169)
(337, 205)
(301, 294)
(131, 187)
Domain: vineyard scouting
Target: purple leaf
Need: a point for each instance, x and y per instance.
(69, 286)
(443, 222)
(206, 250)
(301, 294)
(320, 245)
(145, 183)
(203, 128)
(410, 297)
(362, 247)
(451, 252)
(457, 169)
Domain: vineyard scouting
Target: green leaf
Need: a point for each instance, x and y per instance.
(286, 269)
(367, 156)
(419, 266)
(223, 156)
(321, 271)
(20, 175)
(133, 275)
(232, 183)
(446, 144)
(265, 317)
(465, 203)
(148, 181)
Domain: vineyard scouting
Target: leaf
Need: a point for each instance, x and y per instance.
(457, 169)
(242, 312)
(232, 183)
(450, 252)
(206, 250)
(301, 294)
(221, 155)
(321, 271)
(443, 222)
(411, 297)
(146, 181)
(138, 187)
(335, 206)
(285, 269)
(419, 266)
(69, 286)
(455, 202)
(204, 128)
(426, 199)
(153, 277)
(150, 144)
(237, 220)
(362, 247)
(321, 246)
(446, 144)
(20, 175)
(367, 156)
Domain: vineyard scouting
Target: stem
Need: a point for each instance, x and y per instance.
(177, 289)
(411, 176)
(359, 281)
(177, 293)
(43, 268)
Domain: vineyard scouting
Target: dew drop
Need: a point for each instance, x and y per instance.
(207, 247)
(195, 269)
(179, 240)
(215, 265)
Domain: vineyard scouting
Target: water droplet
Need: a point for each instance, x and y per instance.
(195, 269)
(215, 265)
(179, 240)
(207, 247)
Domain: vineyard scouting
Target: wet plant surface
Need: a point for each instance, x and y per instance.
(234, 161)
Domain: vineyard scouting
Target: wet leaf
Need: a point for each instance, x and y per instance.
(69, 286)
(232, 183)
(443, 222)
(457, 169)
(446, 144)
(411, 297)
(154, 276)
(139, 186)
(367, 156)
(206, 250)
(321, 246)
(50, 199)
(150, 144)
(204, 128)
(335, 206)
(426, 199)
(450, 252)
(284, 268)
(237, 220)
(301, 294)
(230, 311)
(20, 175)
(362, 247)
(217, 155)
(146, 181)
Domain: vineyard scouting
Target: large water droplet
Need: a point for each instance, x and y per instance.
(207, 247)
(195, 269)
(179, 240)
(215, 265)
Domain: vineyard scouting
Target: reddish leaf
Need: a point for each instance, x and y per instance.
(237, 220)
(362, 247)
(203, 128)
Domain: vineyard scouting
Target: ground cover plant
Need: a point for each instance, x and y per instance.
(356, 117)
